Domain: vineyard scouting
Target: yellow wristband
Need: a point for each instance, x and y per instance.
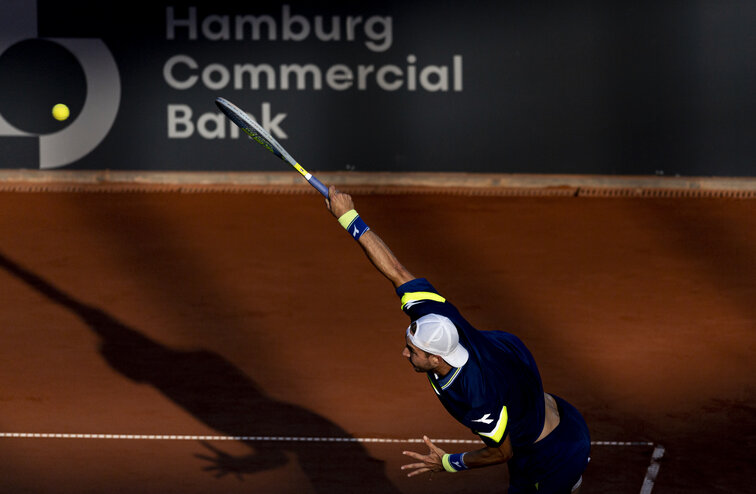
(447, 466)
(346, 219)
(453, 463)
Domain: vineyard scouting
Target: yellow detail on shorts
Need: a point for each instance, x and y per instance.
(417, 296)
(498, 432)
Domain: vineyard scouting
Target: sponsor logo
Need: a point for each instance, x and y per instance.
(484, 419)
(92, 121)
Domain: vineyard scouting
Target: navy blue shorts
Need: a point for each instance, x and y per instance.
(557, 462)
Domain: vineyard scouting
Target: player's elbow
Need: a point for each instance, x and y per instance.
(502, 454)
(505, 456)
(400, 275)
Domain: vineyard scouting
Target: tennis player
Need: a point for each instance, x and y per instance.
(487, 380)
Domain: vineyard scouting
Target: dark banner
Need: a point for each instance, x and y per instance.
(491, 86)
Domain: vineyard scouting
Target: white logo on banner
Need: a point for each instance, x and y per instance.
(18, 22)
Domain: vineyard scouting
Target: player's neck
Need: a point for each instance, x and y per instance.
(442, 369)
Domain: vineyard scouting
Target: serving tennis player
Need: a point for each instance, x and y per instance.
(487, 380)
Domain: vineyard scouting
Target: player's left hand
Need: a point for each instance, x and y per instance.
(428, 463)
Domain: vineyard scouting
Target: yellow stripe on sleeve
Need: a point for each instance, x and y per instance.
(418, 296)
(498, 432)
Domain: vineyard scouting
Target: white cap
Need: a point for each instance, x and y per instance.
(437, 335)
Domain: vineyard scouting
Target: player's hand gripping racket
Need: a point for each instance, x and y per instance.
(253, 129)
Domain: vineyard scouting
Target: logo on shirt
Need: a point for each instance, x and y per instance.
(484, 419)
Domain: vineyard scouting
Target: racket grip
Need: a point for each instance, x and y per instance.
(318, 185)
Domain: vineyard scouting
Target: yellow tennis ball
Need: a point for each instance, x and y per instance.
(60, 112)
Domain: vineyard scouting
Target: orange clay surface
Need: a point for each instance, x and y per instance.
(251, 314)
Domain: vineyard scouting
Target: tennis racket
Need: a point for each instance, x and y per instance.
(256, 132)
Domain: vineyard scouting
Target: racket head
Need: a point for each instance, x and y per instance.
(242, 120)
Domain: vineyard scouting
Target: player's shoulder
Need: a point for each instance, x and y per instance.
(418, 291)
(415, 285)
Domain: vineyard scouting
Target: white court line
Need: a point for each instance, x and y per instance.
(653, 470)
(648, 481)
(184, 437)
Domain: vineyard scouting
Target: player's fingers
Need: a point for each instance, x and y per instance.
(423, 464)
(414, 466)
(335, 198)
(335, 193)
(414, 455)
(428, 442)
(418, 472)
(433, 447)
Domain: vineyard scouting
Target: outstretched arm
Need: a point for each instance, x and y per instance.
(377, 252)
(437, 460)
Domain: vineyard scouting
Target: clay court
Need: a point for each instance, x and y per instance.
(180, 340)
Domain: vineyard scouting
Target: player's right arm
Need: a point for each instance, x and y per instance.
(376, 250)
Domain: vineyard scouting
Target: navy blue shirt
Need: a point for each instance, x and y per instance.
(498, 392)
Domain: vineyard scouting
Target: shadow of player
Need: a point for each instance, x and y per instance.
(222, 397)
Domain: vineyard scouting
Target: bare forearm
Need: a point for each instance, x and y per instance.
(377, 252)
(437, 460)
(383, 259)
(485, 457)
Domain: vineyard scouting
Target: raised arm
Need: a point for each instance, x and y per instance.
(340, 204)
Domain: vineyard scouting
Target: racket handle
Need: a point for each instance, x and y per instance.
(318, 185)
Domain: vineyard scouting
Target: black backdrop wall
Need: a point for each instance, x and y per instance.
(642, 87)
